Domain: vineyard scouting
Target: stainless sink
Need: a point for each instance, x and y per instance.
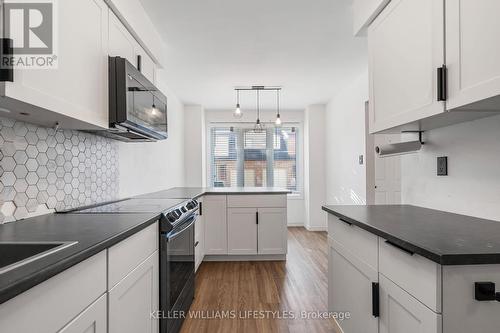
(16, 254)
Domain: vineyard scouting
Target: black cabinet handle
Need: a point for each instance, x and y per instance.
(139, 62)
(375, 300)
(200, 209)
(410, 252)
(345, 221)
(196, 243)
(442, 83)
(256, 217)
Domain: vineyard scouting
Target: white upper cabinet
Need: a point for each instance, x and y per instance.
(76, 92)
(473, 54)
(406, 47)
(364, 12)
(123, 44)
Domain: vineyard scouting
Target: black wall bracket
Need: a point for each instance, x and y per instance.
(485, 291)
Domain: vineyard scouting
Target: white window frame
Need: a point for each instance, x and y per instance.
(299, 195)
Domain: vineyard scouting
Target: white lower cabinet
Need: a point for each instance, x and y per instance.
(350, 287)
(214, 212)
(242, 230)
(135, 298)
(401, 312)
(199, 237)
(272, 231)
(92, 320)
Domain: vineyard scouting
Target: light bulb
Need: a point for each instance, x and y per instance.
(153, 110)
(277, 123)
(238, 113)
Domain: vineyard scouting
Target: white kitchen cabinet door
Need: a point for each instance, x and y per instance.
(405, 47)
(242, 231)
(147, 64)
(401, 312)
(272, 231)
(472, 52)
(78, 88)
(92, 320)
(350, 289)
(214, 211)
(199, 238)
(121, 42)
(132, 301)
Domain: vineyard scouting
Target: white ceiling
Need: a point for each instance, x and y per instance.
(306, 46)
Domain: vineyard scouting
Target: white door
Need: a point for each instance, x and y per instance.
(214, 211)
(92, 320)
(272, 231)
(133, 299)
(121, 42)
(78, 88)
(242, 231)
(401, 312)
(350, 283)
(405, 47)
(472, 51)
(387, 173)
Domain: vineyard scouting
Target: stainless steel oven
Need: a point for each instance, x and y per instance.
(177, 272)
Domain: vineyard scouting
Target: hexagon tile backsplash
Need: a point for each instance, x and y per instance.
(42, 169)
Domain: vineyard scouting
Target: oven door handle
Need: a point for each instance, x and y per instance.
(172, 236)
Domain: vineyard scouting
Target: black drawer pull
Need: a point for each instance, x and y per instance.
(400, 247)
(345, 221)
(196, 244)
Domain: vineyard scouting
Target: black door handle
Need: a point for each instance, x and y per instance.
(375, 300)
(400, 247)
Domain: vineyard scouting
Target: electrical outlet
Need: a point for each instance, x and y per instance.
(442, 166)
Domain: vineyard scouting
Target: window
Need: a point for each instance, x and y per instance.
(240, 156)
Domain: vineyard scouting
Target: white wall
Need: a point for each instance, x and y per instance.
(314, 167)
(194, 143)
(345, 141)
(473, 184)
(296, 206)
(152, 166)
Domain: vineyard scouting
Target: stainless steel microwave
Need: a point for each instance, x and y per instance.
(137, 109)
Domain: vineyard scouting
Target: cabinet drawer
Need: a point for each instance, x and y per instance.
(401, 312)
(128, 254)
(257, 201)
(417, 275)
(359, 242)
(49, 306)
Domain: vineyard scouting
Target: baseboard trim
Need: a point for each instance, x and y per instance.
(295, 225)
(263, 257)
(316, 228)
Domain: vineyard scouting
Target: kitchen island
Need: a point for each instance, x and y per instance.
(402, 268)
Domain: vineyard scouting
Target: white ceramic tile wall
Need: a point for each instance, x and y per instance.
(41, 169)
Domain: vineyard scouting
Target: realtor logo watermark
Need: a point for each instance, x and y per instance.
(32, 25)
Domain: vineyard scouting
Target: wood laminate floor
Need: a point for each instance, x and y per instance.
(231, 289)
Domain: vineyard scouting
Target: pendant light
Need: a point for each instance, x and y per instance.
(237, 112)
(277, 123)
(259, 127)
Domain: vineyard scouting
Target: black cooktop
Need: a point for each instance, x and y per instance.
(133, 206)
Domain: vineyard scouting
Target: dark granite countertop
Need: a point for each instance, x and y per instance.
(195, 192)
(93, 232)
(445, 238)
